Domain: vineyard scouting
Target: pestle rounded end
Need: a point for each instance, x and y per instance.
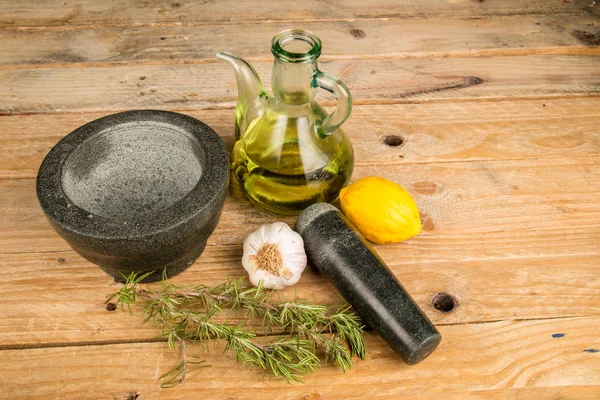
(423, 351)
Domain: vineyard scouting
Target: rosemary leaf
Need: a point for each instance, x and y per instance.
(185, 316)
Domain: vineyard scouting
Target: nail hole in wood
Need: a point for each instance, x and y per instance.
(443, 302)
(110, 306)
(62, 260)
(358, 33)
(393, 140)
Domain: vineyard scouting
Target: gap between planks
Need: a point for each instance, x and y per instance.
(84, 343)
(427, 261)
(327, 103)
(400, 163)
(422, 17)
(551, 51)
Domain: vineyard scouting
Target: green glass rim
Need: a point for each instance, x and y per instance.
(282, 38)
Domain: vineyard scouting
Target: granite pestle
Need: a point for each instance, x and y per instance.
(344, 256)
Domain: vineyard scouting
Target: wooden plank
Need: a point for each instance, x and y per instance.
(545, 393)
(522, 34)
(472, 131)
(474, 357)
(470, 210)
(506, 238)
(58, 13)
(371, 81)
(64, 294)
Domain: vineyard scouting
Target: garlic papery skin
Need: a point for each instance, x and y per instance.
(274, 254)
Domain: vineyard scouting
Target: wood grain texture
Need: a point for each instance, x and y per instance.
(475, 357)
(546, 393)
(474, 210)
(59, 297)
(496, 105)
(58, 13)
(371, 81)
(430, 132)
(508, 35)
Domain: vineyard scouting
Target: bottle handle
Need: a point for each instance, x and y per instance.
(344, 98)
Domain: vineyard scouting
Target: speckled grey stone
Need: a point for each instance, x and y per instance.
(136, 191)
(341, 253)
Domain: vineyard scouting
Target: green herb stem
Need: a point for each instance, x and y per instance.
(185, 316)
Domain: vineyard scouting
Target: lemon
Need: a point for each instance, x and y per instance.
(381, 210)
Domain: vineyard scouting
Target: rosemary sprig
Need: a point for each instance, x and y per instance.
(185, 314)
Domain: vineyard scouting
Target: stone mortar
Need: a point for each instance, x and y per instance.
(137, 191)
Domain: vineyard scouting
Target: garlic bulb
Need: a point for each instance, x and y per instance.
(275, 255)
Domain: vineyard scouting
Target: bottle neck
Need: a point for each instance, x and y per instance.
(293, 83)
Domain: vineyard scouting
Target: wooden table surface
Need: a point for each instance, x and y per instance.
(496, 105)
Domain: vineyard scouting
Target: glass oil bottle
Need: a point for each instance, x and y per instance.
(289, 152)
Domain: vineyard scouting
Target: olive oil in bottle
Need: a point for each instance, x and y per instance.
(284, 166)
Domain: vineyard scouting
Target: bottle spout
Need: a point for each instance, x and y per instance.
(247, 78)
(251, 92)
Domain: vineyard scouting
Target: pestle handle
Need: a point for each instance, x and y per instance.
(358, 273)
